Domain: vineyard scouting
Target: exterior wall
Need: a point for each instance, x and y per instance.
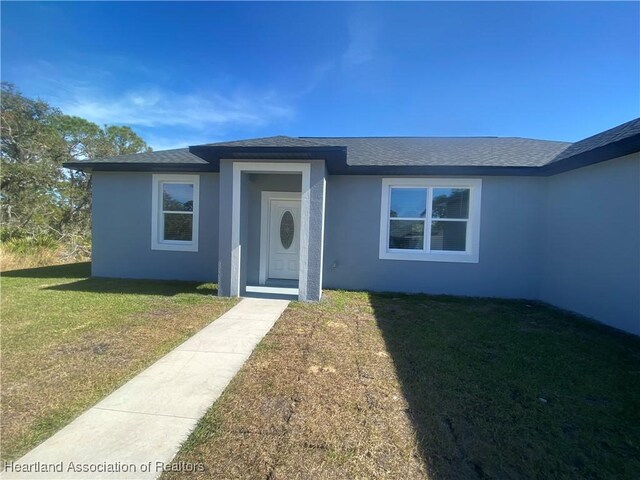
(258, 183)
(592, 242)
(122, 231)
(510, 234)
(572, 240)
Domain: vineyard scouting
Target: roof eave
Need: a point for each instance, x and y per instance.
(213, 154)
(138, 167)
(606, 152)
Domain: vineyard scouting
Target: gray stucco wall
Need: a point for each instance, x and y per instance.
(224, 247)
(317, 205)
(510, 233)
(592, 242)
(572, 240)
(122, 231)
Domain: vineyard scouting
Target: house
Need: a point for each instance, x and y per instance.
(482, 216)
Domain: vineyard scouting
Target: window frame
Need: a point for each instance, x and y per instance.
(472, 243)
(157, 213)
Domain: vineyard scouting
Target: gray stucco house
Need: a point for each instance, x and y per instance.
(482, 216)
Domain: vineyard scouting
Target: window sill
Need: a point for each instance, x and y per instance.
(176, 247)
(449, 257)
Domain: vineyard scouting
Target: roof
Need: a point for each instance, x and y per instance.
(395, 155)
(175, 156)
(613, 135)
(277, 141)
(449, 151)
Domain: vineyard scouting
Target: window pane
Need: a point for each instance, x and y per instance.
(287, 229)
(408, 202)
(450, 203)
(177, 197)
(178, 226)
(449, 236)
(406, 234)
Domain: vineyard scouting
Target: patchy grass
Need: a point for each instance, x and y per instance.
(389, 386)
(69, 340)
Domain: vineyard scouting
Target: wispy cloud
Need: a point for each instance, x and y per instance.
(362, 39)
(150, 103)
(157, 107)
(363, 32)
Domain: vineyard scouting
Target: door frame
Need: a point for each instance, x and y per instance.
(265, 211)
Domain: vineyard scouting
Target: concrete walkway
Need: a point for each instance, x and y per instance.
(136, 430)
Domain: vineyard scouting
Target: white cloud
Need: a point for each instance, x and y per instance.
(155, 107)
(149, 103)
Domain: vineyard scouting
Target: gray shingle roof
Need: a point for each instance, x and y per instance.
(277, 141)
(403, 151)
(447, 151)
(601, 139)
(425, 151)
(177, 156)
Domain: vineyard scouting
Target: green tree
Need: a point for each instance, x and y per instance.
(38, 195)
(31, 152)
(84, 140)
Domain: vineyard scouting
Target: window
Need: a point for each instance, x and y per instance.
(430, 219)
(174, 223)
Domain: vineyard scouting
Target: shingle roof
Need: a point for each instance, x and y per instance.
(176, 156)
(446, 151)
(397, 152)
(424, 151)
(601, 139)
(277, 141)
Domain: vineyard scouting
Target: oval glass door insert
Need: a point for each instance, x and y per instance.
(286, 229)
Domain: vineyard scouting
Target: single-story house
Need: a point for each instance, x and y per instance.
(480, 216)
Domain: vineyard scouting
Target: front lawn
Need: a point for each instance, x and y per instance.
(69, 340)
(389, 386)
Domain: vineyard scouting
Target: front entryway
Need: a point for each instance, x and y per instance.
(280, 236)
(271, 225)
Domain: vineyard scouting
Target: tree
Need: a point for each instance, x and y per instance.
(37, 194)
(30, 152)
(84, 140)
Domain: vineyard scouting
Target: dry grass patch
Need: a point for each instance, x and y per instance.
(68, 341)
(314, 401)
(30, 253)
(392, 386)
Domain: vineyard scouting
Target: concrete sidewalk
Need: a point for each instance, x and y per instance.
(136, 430)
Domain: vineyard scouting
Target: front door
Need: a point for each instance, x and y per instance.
(284, 238)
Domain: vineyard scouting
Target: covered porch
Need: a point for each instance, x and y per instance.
(271, 228)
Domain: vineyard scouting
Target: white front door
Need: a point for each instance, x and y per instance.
(284, 238)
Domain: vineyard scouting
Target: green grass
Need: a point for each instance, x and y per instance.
(68, 340)
(366, 385)
(515, 389)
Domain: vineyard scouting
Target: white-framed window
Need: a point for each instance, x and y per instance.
(175, 212)
(430, 219)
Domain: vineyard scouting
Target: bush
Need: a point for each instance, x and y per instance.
(30, 245)
(10, 232)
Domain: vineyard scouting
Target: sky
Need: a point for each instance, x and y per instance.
(184, 74)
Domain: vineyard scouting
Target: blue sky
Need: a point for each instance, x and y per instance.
(188, 73)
